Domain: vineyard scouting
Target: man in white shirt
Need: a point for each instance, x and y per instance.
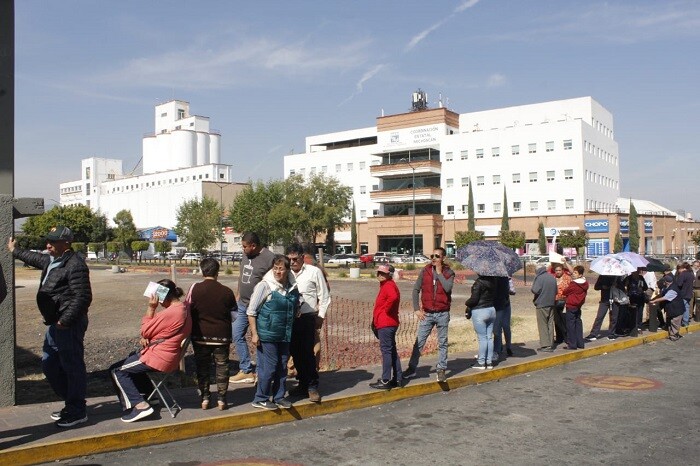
(316, 298)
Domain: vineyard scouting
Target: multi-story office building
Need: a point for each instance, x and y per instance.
(553, 162)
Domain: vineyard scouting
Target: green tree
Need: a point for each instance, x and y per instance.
(79, 246)
(353, 229)
(125, 230)
(573, 239)
(139, 246)
(85, 224)
(162, 247)
(198, 223)
(462, 238)
(471, 224)
(505, 220)
(96, 248)
(31, 242)
(696, 238)
(513, 239)
(251, 208)
(617, 245)
(541, 239)
(634, 229)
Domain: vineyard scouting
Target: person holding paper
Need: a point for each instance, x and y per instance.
(161, 339)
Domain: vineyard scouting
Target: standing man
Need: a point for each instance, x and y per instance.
(315, 301)
(432, 296)
(544, 287)
(63, 299)
(685, 278)
(255, 263)
(696, 290)
(603, 284)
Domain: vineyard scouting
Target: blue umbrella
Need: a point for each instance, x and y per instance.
(489, 258)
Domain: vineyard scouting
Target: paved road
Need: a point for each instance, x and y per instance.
(546, 417)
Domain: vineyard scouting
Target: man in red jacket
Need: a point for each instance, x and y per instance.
(434, 286)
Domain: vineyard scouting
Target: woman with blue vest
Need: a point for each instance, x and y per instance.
(273, 307)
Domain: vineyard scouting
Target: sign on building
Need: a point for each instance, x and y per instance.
(597, 226)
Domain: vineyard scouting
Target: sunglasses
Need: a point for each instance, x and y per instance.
(294, 259)
(435, 256)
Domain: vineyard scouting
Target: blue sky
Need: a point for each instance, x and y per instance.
(88, 75)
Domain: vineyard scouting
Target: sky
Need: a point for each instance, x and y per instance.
(268, 74)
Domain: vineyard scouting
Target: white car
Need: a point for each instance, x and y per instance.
(345, 259)
(192, 256)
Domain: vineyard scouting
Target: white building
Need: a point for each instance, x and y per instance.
(181, 161)
(552, 159)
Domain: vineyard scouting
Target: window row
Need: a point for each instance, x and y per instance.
(600, 153)
(151, 184)
(516, 207)
(350, 166)
(602, 180)
(496, 179)
(602, 128)
(567, 144)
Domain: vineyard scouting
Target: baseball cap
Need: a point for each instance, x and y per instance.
(59, 233)
(386, 268)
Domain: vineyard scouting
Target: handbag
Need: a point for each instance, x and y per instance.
(618, 296)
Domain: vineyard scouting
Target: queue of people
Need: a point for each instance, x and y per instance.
(283, 300)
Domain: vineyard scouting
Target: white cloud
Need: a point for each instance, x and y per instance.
(496, 80)
(465, 5)
(368, 75)
(415, 40)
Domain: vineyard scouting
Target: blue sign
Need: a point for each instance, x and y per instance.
(648, 226)
(624, 226)
(597, 247)
(158, 234)
(596, 226)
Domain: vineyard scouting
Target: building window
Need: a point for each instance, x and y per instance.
(551, 204)
(312, 171)
(363, 214)
(465, 181)
(363, 189)
(568, 174)
(110, 176)
(463, 155)
(337, 168)
(221, 176)
(496, 179)
(480, 153)
(302, 171)
(162, 115)
(178, 127)
(533, 206)
(532, 148)
(465, 208)
(516, 206)
(569, 204)
(533, 177)
(87, 173)
(549, 146)
(87, 188)
(450, 210)
(206, 175)
(516, 178)
(375, 212)
(495, 152)
(449, 182)
(496, 207)
(481, 208)
(324, 169)
(375, 187)
(550, 175)
(180, 113)
(350, 167)
(362, 165)
(479, 180)
(448, 156)
(515, 150)
(567, 144)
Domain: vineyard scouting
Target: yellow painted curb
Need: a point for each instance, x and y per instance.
(89, 445)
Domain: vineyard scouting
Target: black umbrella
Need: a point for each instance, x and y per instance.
(655, 265)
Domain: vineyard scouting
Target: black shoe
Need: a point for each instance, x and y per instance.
(57, 415)
(381, 385)
(284, 403)
(409, 373)
(509, 352)
(613, 336)
(546, 349)
(70, 420)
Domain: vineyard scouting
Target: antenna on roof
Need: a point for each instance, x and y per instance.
(440, 100)
(420, 101)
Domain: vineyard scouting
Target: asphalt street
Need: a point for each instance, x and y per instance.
(637, 406)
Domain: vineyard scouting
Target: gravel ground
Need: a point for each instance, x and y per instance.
(118, 305)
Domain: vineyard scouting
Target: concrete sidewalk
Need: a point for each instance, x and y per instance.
(28, 435)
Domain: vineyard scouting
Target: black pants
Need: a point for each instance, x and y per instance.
(302, 350)
(602, 310)
(559, 323)
(574, 328)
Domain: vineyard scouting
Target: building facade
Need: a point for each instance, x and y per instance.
(555, 163)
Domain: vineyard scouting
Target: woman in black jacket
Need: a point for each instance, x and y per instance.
(481, 310)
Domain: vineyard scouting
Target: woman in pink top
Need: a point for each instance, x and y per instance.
(162, 334)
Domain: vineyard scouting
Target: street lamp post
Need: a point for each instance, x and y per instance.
(413, 183)
(222, 239)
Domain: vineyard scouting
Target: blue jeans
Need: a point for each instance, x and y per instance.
(686, 314)
(441, 320)
(390, 357)
(63, 364)
(501, 326)
(272, 370)
(239, 327)
(483, 320)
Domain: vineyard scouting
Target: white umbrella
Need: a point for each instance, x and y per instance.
(611, 265)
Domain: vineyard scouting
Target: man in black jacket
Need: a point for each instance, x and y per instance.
(63, 298)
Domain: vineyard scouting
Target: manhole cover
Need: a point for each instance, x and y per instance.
(618, 382)
(250, 462)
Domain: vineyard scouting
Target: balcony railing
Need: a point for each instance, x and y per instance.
(403, 168)
(406, 195)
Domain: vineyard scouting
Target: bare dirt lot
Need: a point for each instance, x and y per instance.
(118, 305)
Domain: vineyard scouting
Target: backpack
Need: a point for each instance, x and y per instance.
(618, 296)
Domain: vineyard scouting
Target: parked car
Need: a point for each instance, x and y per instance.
(367, 258)
(345, 259)
(192, 256)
